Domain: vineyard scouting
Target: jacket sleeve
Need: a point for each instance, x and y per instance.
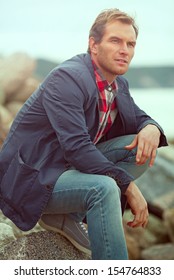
(64, 102)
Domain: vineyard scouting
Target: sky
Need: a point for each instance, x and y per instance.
(58, 29)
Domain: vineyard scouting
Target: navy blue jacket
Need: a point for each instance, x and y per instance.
(55, 130)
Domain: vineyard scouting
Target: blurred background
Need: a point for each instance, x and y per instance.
(57, 30)
(37, 35)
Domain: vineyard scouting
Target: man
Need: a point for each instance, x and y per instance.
(79, 142)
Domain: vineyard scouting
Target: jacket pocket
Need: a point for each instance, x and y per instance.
(17, 181)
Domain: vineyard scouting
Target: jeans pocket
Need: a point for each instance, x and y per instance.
(17, 181)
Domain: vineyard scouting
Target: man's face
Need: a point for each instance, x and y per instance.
(115, 51)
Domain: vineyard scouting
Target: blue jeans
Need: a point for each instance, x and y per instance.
(99, 199)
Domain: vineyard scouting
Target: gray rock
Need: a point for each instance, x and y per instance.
(14, 70)
(157, 227)
(157, 183)
(168, 217)
(41, 246)
(159, 252)
(133, 247)
(6, 234)
(17, 232)
(154, 233)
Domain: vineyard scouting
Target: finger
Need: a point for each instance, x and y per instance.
(144, 156)
(145, 224)
(145, 217)
(142, 160)
(153, 156)
(132, 145)
(139, 154)
(135, 222)
(147, 151)
(140, 219)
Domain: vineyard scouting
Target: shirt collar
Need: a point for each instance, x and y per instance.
(102, 83)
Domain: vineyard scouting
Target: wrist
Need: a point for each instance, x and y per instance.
(154, 127)
(130, 189)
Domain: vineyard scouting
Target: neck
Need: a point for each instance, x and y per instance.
(109, 78)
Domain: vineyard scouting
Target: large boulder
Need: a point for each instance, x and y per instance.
(14, 70)
(154, 233)
(6, 234)
(159, 252)
(42, 245)
(26, 90)
(157, 183)
(168, 217)
(16, 85)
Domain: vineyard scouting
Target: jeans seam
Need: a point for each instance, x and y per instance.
(104, 232)
(72, 190)
(132, 154)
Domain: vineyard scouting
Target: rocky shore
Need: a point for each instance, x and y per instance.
(17, 82)
(156, 242)
(16, 85)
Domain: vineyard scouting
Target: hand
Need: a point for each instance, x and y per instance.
(147, 142)
(138, 206)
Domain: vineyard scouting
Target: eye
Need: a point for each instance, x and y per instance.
(115, 40)
(131, 44)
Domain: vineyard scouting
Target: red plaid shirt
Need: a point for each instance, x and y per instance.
(107, 104)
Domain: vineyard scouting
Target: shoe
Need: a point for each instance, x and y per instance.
(75, 232)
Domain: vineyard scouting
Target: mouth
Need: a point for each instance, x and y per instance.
(122, 61)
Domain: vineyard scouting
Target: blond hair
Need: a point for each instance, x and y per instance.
(107, 16)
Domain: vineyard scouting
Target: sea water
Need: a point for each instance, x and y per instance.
(159, 104)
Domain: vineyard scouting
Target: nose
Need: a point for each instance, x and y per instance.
(124, 48)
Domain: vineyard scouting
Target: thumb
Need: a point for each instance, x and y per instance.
(133, 144)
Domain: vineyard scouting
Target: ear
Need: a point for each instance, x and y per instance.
(93, 45)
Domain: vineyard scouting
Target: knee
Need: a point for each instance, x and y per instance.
(105, 189)
(109, 186)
